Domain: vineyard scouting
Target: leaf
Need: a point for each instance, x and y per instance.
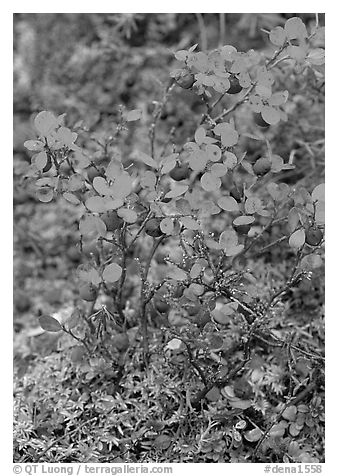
(175, 318)
(75, 182)
(34, 145)
(229, 136)
(316, 56)
(196, 270)
(253, 435)
(88, 274)
(74, 319)
(230, 160)
(278, 429)
(122, 186)
(296, 52)
(320, 213)
(290, 413)
(112, 273)
(242, 404)
(198, 160)
(277, 163)
(293, 219)
(234, 250)
(101, 186)
(277, 36)
(146, 159)
(311, 262)
(279, 98)
(297, 239)
(318, 193)
(96, 204)
(270, 115)
(190, 223)
(40, 160)
(295, 29)
(177, 274)
(133, 115)
(167, 226)
(213, 395)
(210, 182)
(92, 226)
(71, 198)
(162, 442)
(228, 239)
(77, 353)
(128, 215)
(253, 205)
(213, 152)
(243, 220)
(45, 194)
(222, 312)
(200, 135)
(218, 170)
(228, 203)
(175, 344)
(178, 190)
(45, 122)
(48, 323)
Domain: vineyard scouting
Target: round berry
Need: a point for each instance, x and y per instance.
(48, 166)
(162, 306)
(180, 172)
(88, 292)
(112, 220)
(185, 80)
(93, 172)
(262, 166)
(235, 87)
(237, 192)
(152, 227)
(242, 229)
(259, 120)
(313, 236)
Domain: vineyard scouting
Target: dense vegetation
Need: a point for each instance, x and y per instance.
(169, 238)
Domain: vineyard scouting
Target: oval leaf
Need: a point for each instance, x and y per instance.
(48, 323)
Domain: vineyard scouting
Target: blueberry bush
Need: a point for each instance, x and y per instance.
(169, 213)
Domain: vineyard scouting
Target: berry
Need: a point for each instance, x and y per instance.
(92, 172)
(73, 253)
(152, 227)
(179, 172)
(48, 166)
(88, 292)
(237, 192)
(185, 80)
(242, 229)
(262, 166)
(259, 120)
(112, 220)
(162, 306)
(235, 87)
(313, 236)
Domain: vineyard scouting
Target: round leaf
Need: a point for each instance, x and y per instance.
(210, 182)
(112, 273)
(228, 203)
(297, 239)
(48, 323)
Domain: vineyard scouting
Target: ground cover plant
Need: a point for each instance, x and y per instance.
(169, 238)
